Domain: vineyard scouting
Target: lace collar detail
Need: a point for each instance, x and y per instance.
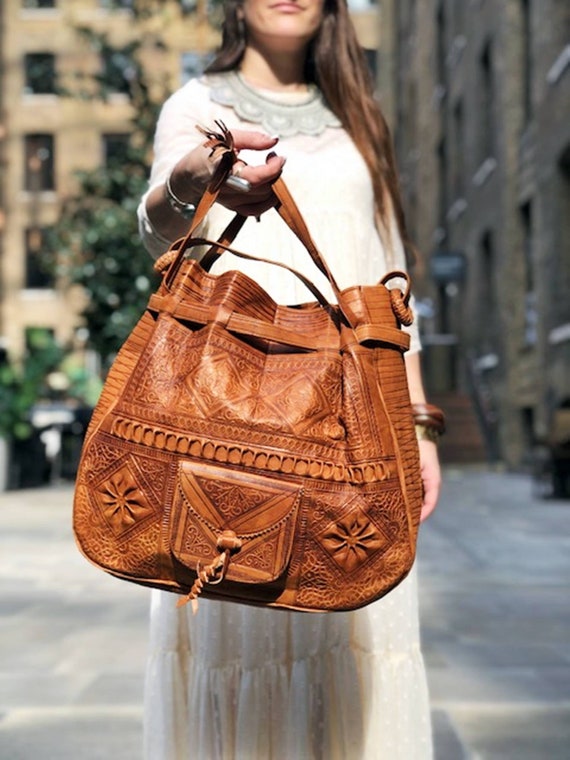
(309, 115)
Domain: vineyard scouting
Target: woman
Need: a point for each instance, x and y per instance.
(242, 683)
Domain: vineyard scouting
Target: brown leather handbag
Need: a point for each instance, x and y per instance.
(255, 452)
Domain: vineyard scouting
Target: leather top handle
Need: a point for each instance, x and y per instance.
(288, 211)
(286, 208)
(240, 254)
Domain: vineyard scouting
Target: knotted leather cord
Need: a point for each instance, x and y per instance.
(228, 543)
(400, 301)
(222, 146)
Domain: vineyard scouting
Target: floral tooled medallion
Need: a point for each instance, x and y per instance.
(122, 501)
(353, 540)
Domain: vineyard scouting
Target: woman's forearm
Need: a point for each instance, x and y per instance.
(188, 180)
(414, 376)
(190, 176)
(429, 461)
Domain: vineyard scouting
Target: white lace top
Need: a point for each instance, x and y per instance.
(324, 171)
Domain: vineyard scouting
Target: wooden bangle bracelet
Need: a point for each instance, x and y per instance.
(424, 433)
(429, 417)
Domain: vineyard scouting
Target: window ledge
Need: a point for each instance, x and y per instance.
(38, 294)
(47, 196)
(559, 67)
(438, 96)
(560, 334)
(44, 97)
(457, 47)
(118, 97)
(31, 14)
(439, 235)
(484, 171)
(458, 208)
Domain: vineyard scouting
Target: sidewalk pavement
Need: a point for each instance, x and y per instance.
(494, 580)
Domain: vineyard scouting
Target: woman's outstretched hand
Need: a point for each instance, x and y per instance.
(192, 173)
(259, 198)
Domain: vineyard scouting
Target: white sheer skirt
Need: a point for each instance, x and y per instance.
(243, 683)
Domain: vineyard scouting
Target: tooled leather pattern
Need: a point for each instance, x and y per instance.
(232, 500)
(309, 466)
(378, 565)
(189, 399)
(353, 539)
(199, 381)
(134, 554)
(122, 501)
(261, 512)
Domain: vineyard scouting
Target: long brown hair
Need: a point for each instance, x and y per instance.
(336, 63)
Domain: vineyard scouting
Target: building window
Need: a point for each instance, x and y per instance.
(34, 4)
(117, 73)
(361, 5)
(563, 227)
(40, 73)
(442, 173)
(487, 294)
(116, 4)
(487, 126)
(441, 46)
(459, 150)
(193, 65)
(115, 148)
(526, 68)
(38, 271)
(39, 163)
(527, 418)
(530, 314)
(371, 57)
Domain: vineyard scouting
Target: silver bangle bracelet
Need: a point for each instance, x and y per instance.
(187, 210)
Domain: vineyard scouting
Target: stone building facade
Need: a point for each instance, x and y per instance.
(46, 138)
(477, 92)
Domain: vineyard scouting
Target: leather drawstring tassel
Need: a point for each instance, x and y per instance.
(227, 544)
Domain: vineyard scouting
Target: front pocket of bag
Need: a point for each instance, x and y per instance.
(261, 511)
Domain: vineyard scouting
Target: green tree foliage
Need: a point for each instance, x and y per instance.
(22, 385)
(99, 248)
(96, 243)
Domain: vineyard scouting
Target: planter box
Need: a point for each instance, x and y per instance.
(25, 463)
